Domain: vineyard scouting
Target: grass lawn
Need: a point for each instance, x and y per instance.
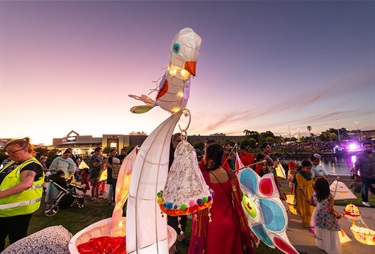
(75, 219)
(357, 202)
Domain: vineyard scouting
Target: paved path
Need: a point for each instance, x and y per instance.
(304, 241)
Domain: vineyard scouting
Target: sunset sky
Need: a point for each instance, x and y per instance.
(264, 65)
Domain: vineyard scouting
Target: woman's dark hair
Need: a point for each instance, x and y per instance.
(263, 146)
(322, 189)
(306, 164)
(215, 153)
(260, 157)
(210, 141)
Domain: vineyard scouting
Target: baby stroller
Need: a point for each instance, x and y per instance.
(66, 195)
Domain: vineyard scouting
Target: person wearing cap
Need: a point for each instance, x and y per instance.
(317, 170)
(364, 170)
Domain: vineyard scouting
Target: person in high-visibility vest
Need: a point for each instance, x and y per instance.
(21, 189)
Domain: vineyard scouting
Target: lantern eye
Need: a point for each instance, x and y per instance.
(176, 48)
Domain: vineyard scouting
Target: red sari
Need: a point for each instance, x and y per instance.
(228, 231)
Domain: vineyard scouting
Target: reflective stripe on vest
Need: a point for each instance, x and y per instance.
(23, 203)
(35, 186)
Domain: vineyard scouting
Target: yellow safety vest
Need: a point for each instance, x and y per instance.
(25, 202)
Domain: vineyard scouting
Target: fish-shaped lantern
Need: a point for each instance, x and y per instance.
(174, 88)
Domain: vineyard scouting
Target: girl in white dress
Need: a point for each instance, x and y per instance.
(326, 225)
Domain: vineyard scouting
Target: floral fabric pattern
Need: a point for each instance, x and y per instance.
(324, 218)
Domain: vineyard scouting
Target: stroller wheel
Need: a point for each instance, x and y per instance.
(51, 211)
(81, 203)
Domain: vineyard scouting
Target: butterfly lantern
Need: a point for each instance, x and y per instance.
(266, 215)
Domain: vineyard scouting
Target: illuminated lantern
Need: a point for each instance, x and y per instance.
(185, 191)
(359, 228)
(147, 231)
(340, 191)
(83, 165)
(150, 171)
(122, 193)
(174, 89)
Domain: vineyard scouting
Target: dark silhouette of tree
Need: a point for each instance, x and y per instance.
(198, 145)
(264, 135)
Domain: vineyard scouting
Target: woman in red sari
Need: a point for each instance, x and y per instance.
(223, 227)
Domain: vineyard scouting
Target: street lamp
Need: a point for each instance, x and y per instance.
(338, 130)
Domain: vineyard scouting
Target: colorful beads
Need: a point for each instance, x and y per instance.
(159, 194)
(169, 206)
(191, 202)
(199, 201)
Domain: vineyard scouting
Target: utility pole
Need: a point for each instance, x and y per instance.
(338, 130)
(359, 131)
(299, 136)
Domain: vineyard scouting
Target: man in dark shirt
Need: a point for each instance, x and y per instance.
(122, 155)
(364, 170)
(96, 168)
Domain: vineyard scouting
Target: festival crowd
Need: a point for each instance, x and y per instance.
(22, 184)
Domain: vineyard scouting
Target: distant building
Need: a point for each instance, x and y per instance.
(218, 134)
(84, 145)
(368, 134)
(81, 145)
